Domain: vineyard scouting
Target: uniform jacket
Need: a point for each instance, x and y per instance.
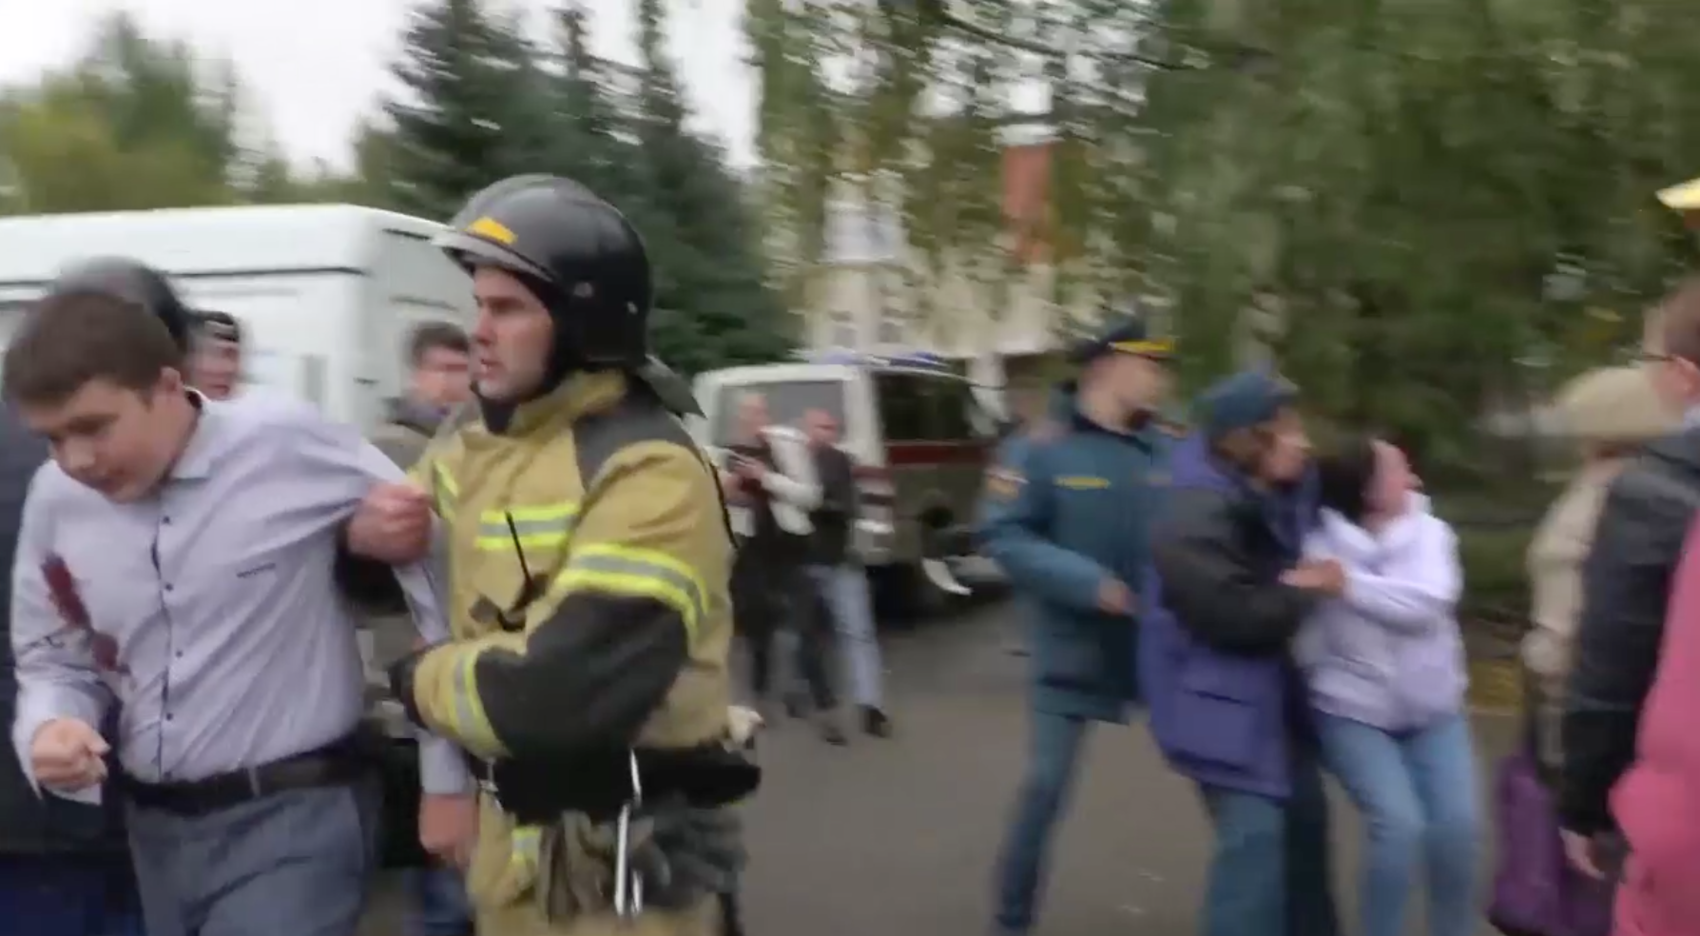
(1387, 653)
(1070, 507)
(1625, 584)
(31, 823)
(1657, 802)
(1214, 648)
(589, 557)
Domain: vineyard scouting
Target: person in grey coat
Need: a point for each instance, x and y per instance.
(439, 384)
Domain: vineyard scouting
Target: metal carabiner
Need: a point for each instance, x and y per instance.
(628, 887)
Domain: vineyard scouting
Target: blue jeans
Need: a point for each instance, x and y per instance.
(1419, 797)
(1269, 875)
(53, 895)
(844, 588)
(440, 904)
(296, 863)
(1052, 758)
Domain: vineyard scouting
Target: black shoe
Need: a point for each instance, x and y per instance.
(796, 706)
(831, 733)
(876, 722)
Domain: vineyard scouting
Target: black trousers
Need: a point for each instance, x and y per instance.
(771, 595)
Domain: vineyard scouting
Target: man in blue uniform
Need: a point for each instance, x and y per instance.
(1068, 514)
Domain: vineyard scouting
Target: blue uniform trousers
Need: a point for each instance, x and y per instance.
(296, 863)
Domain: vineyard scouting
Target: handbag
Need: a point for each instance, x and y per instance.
(1536, 891)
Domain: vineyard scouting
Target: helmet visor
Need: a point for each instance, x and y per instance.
(472, 251)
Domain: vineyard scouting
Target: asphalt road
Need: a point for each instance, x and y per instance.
(896, 837)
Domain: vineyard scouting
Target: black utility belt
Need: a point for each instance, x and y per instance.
(339, 762)
(539, 791)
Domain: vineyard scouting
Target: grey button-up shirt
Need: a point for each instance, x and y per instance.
(216, 623)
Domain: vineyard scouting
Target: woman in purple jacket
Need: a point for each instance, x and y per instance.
(1227, 703)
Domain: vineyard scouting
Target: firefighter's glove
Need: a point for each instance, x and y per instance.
(401, 683)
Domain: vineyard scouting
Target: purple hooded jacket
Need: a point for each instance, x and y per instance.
(1222, 717)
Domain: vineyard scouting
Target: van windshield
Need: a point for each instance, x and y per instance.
(787, 401)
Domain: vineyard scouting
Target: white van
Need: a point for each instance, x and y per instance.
(326, 294)
(920, 438)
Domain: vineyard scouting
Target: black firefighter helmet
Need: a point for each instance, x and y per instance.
(576, 252)
(133, 282)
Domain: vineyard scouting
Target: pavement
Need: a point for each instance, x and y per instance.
(897, 837)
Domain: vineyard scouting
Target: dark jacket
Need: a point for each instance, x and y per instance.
(409, 429)
(1625, 590)
(1214, 647)
(1071, 505)
(835, 518)
(30, 824)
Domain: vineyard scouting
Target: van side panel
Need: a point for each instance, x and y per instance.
(411, 283)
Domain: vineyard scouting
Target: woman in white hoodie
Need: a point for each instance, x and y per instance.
(1384, 664)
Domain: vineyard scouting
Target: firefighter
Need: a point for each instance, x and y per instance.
(589, 560)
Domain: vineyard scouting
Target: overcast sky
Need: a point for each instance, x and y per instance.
(316, 66)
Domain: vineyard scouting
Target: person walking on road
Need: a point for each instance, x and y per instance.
(1385, 665)
(770, 485)
(176, 557)
(589, 554)
(837, 571)
(1626, 585)
(439, 358)
(1228, 703)
(1067, 514)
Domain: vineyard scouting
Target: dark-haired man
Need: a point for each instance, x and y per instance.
(176, 558)
(215, 362)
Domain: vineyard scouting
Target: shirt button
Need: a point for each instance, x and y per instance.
(179, 654)
(167, 586)
(169, 716)
(165, 520)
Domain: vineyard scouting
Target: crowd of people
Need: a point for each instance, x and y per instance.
(1284, 611)
(551, 573)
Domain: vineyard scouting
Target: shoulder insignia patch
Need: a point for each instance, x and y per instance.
(1157, 479)
(1004, 483)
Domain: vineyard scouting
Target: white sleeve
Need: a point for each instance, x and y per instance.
(1421, 593)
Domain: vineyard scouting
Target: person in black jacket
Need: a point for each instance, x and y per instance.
(64, 866)
(837, 571)
(1625, 589)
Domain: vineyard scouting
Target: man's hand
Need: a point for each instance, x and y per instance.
(67, 754)
(1323, 575)
(752, 468)
(1114, 597)
(1579, 849)
(448, 827)
(393, 525)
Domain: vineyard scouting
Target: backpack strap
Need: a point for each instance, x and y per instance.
(638, 417)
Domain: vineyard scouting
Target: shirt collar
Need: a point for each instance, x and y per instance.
(196, 461)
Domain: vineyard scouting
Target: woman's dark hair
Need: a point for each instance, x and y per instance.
(1343, 476)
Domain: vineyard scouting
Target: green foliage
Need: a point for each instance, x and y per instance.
(464, 121)
(136, 124)
(1381, 195)
(484, 104)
